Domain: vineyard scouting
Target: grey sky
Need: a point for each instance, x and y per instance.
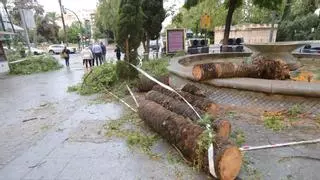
(53, 5)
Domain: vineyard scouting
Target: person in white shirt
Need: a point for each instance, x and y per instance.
(87, 57)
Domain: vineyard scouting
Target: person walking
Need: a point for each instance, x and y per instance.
(87, 57)
(118, 52)
(97, 52)
(104, 51)
(65, 54)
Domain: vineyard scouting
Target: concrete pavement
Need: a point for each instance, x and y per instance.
(63, 137)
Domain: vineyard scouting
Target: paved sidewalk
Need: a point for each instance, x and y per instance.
(64, 139)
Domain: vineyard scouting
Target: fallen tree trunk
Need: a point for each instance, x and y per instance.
(173, 105)
(199, 102)
(188, 138)
(192, 89)
(221, 127)
(144, 84)
(260, 68)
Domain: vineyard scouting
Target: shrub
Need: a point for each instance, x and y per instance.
(35, 64)
(98, 78)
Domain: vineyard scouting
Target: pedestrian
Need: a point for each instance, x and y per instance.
(97, 52)
(118, 52)
(104, 51)
(87, 57)
(65, 54)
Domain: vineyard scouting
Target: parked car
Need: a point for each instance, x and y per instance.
(310, 49)
(35, 51)
(57, 49)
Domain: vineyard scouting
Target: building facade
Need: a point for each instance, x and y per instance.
(251, 33)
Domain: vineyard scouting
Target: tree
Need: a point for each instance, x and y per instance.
(154, 15)
(106, 17)
(48, 28)
(299, 23)
(73, 32)
(52, 17)
(232, 5)
(129, 35)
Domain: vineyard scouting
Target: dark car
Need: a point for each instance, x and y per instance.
(310, 49)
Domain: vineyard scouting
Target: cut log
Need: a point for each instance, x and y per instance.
(192, 89)
(186, 136)
(261, 67)
(173, 105)
(199, 102)
(144, 84)
(226, 157)
(222, 128)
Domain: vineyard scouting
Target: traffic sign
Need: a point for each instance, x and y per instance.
(205, 21)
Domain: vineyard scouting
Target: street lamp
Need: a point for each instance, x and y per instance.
(65, 12)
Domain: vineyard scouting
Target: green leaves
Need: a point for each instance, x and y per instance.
(269, 4)
(35, 64)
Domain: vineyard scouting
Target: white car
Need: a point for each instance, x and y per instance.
(57, 49)
(35, 51)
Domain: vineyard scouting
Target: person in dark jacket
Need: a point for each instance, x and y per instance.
(118, 52)
(104, 51)
(65, 54)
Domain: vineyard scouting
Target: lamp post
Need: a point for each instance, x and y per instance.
(78, 21)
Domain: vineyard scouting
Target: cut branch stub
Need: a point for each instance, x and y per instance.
(222, 128)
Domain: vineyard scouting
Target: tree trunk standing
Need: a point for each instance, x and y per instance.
(232, 7)
(127, 50)
(190, 139)
(287, 10)
(272, 26)
(63, 23)
(25, 29)
(9, 18)
(158, 48)
(147, 50)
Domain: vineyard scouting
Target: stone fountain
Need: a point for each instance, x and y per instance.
(278, 51)
(181, 71)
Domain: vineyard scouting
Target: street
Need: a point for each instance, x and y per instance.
(48, 133)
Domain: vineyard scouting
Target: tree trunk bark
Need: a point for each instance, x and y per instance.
(232, 7)
(261, 68)
(173, 105)
(188, 139)
(144, 84)
(147, 51)
(194, 90)
(199, 102)
(127, 50)
(222, 128)
(9, 18)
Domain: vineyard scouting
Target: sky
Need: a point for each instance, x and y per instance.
(53, 5)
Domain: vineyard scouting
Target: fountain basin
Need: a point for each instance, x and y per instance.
(279, 50)
(182, 67)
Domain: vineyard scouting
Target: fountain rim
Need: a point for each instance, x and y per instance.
(295, 88)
